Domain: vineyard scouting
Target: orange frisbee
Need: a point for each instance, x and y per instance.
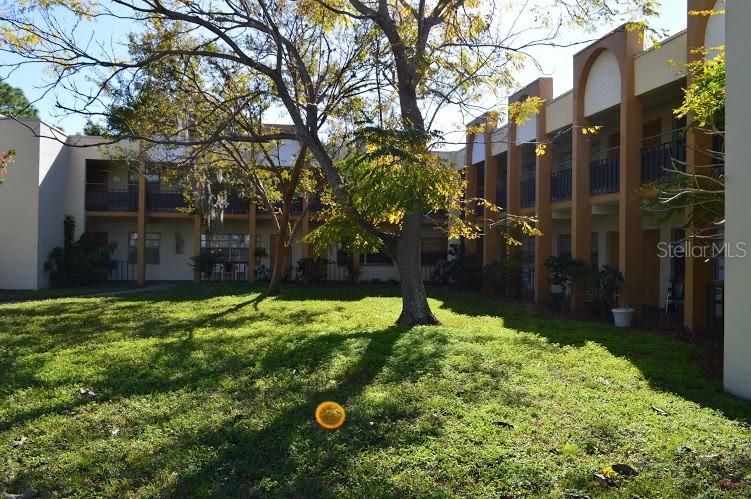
(330, 415)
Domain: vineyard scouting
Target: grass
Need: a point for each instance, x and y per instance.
(211, 391)
(8, 295)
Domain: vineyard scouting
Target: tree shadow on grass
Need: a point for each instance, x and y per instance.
(249, 455)
(668, 364)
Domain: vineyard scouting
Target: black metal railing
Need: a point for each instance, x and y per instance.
(101, 197)
(657, 159)
(560, 182)
(604, 174)
(337, 272)
(237, 204)
(527, 283)
(165, 200)
(501, 195)
(122, 271)
(227, 271)
(428, 272)
(527, 194)
(716, 307)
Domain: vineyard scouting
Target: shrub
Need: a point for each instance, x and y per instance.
(604, 285)
(312, 270)
(567, 273)
(465, 272)
(203, 262)
(82, 262)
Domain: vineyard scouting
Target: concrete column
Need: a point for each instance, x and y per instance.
(252, 245)
(470, 175)
(543, 208)
(581, 208)
(699, 270)
(490, 234)
(630, 220)
(738, 184)
(196, 244)
(141, 229)
(513, 172)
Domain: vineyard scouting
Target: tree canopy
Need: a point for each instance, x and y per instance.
(13, 103)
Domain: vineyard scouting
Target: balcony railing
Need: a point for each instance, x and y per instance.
(657, 159)
(237, 204)
(604, 174)
(101, 197)
(527, 193)
(164, 200)
(560, 182)
(480, 193)
(122, 271)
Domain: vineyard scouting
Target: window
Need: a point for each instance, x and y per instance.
(227, 247)
(179, 243)
(595, 250)
(564, 245)
(152, 241)
(433, 249)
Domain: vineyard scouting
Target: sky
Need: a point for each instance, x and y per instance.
(555, 62)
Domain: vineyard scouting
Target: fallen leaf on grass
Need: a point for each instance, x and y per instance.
(18, 442)
(659, 411)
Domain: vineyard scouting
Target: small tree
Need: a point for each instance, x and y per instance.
(567, 273)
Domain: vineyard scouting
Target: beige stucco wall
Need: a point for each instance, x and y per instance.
(738, 185)
(19, 212)
(558, 112)
(499, 139)
(603, 87)
(660, 66)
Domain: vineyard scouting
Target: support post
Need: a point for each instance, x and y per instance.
(252, 243)
(196, 244)
(543, 208)
(141, 229)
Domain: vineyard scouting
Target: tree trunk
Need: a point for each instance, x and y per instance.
(415, 308)
(278, 267)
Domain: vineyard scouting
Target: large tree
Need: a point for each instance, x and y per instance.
(332, 64)
(14, 104)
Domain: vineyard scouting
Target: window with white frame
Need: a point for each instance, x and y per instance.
(153, 243)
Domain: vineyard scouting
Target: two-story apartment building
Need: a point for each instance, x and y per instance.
(56, 175)
(583, 190)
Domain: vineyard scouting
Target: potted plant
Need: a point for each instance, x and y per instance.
(610, 280)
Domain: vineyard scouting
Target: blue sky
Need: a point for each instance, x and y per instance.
(555, 62)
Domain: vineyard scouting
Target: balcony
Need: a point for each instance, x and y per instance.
(657, 159)
(165, 200)
(501, 195)
(604, 174)
(101, 197)
(560, 182)
(527, 194)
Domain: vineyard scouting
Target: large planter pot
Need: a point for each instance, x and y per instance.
(623, 317)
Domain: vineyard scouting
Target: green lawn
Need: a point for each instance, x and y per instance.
(211, 390)
(7, 295)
